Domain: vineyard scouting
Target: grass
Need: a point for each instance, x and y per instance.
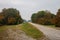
(31, 30)
(53, 26)
(5, 27)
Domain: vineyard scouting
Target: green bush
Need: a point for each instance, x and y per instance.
(10, 16)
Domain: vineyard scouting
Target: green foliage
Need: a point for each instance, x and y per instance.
(30, 30)
(43, 17)
(10, 16)
(33, 17)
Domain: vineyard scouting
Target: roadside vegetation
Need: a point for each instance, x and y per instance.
(10, 16)
(31, 30)
(5, 27)
(46, 18)
(52, 26)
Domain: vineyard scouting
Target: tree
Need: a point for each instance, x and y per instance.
(2, 22)
(58, 19)
(10, 16)
(33, 18)
(43, 17)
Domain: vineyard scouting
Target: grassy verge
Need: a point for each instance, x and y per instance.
(31, 30)
(52, 26)
(5, 27)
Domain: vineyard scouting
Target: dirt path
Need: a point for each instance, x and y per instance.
(51, 33)
(16, 34)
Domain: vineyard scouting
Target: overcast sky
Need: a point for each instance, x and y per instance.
(28, 7)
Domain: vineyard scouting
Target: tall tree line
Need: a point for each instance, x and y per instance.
(58, 18)
(46, 18)
(10, 16)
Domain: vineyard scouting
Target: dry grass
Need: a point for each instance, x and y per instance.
(31, 31)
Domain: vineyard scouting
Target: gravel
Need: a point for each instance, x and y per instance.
(10, 34)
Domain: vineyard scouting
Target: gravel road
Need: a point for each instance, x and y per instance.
(52, 34)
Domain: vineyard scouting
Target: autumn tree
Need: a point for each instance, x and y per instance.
(2, 22)
(58, 19)
(43, 17)
(10, 16)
